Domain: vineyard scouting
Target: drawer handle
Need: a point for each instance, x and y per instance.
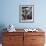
(33, 39)
(11, 38)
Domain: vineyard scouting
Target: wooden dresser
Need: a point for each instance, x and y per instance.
(23, 39)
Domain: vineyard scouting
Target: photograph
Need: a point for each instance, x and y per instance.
(26, 13)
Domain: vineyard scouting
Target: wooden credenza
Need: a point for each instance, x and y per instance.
(23, 39)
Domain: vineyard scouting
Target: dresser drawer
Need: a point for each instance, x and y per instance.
(37, 44)
(12, 39)
(34, 33)
(37, 39)
(13, 44)
(13, 33)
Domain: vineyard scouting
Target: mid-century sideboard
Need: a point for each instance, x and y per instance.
(23, 38)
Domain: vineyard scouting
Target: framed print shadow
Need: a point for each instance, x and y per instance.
(26, 13)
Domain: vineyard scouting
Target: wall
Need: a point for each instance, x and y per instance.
(10, 13)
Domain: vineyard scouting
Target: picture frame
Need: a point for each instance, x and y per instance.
(26, 13)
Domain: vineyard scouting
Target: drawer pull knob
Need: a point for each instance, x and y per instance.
(33, 39)
(10, 38)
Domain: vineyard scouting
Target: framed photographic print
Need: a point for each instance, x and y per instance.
(26, 13)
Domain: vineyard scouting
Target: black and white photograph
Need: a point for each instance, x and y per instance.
(26, 13)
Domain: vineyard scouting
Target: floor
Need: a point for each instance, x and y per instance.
(0, 44)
